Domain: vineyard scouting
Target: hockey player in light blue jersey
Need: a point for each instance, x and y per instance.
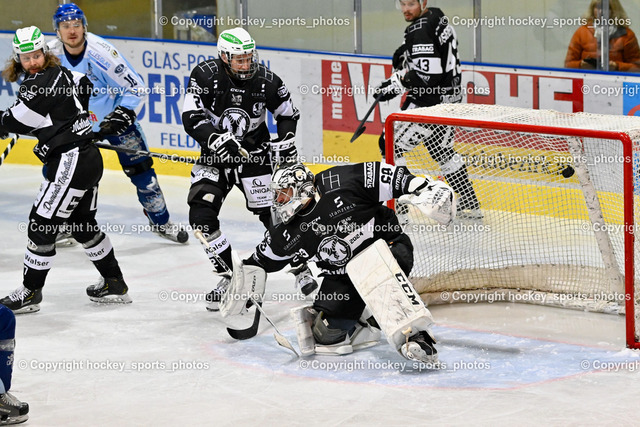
(117, 90)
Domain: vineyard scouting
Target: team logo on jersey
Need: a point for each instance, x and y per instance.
(119, 69)
(236, 121)
(257, 108)
(236, 99)
(283, 91)
(335, 251)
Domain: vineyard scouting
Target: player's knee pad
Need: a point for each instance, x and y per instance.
(85, 231)
(205, 201)
(139, 172)
(41, 231)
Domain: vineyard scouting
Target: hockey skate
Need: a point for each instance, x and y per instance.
(421, 348)
(12, 411)
(110, 290)
(215, 296)
(23, 300)
(305, 281)
(170, 231)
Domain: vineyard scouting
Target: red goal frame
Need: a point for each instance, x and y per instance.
(628, 185)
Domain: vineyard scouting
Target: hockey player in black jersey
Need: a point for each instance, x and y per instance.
(54, 110)
(336, 219)
(225, 110)
(427, 68)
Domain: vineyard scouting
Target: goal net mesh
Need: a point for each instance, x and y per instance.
(540, 211)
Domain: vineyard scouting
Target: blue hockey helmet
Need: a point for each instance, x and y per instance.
(68, 12)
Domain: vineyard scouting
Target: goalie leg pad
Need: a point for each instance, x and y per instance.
(303, 319)
(389, 295)
(247, 282)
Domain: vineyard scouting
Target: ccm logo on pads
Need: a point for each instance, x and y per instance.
(407, 288)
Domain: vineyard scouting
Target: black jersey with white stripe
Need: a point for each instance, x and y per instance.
(48, 107)
(217, 103)
(347, 217)
(431, 47)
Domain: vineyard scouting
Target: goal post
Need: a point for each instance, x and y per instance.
(547, 206)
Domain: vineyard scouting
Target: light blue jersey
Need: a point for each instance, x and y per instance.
(115, 82)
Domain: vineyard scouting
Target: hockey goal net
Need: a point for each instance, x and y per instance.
(546, 206)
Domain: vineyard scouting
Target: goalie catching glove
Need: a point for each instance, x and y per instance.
(391, 87)
(435, 199)
(116, 122)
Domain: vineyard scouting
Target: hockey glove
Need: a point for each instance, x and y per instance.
(435, 199)
(390, 88)
(224, 147)
(283, 150)
(399, 58)
(116, 122)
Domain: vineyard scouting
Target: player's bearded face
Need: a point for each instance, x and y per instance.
(32, 62)
(71, 33)
(411, 9)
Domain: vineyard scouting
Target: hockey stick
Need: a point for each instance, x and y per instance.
(169, 157)
(361, 127)
(253, 329)
(13, 141)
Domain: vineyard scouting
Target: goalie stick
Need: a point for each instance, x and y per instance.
(250, 332)
(361, 127)
(169, 157)
(6, 151)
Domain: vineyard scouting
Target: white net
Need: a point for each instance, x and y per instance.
(541, 215)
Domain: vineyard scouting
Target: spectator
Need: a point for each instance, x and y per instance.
(624, 53)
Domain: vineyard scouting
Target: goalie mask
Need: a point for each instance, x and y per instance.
(292, 187)
(238, 53)
(27, 40)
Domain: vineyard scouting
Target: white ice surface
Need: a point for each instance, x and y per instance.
(507, 364)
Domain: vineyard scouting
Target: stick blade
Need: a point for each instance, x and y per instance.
(285, 343)
(250, 332)
(357, 133)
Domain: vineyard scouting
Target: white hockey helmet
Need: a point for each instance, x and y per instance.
(27, 40)
(296, 181)
(238, 43)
